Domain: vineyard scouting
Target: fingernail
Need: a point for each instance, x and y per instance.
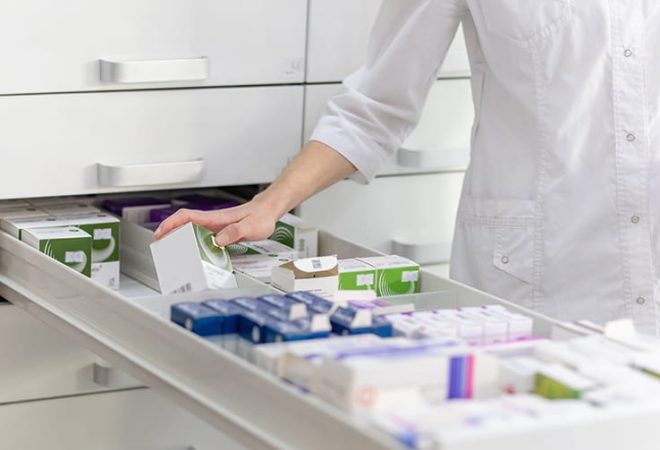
(157, 232)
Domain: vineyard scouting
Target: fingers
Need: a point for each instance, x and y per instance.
(251, 228)
(230, 234)
(213, 220)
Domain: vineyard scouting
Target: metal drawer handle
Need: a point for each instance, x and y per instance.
(445, 160)
(154, 71)
(150, 174)
(430, 253)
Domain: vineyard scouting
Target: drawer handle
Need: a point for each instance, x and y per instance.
(440, 160)
(150, 174)
(430, 253)
(154, 71)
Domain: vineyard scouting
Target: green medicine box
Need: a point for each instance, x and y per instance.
(69, 245)
(395, 275)
(356, 275)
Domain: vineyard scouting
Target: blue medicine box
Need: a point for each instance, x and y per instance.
(197, 318)
(382, 327)
(251, 325)
(278, 331)
(351, 321)
(229, 311)
(313, 302)
(247, 303)
(295, 309)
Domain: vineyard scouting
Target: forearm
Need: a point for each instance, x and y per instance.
(315, 168)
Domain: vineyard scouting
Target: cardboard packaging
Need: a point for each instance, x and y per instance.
(295, 233)
(380, 307)
(394, 275)
(259, 267)
(319, 276)
(204, 202)
(298, 361)
(106, 241)
(356, 275)
(188, 260)
(265, 247)
(9, 215)
(159, 215)
(70, 209)
(359, 383)
(14, 203)
(69, 245)
(198, 318)
(104, 230)
(67, 199)
(134, 209)
(554, 382)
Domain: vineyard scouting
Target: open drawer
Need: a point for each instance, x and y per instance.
(127, 329)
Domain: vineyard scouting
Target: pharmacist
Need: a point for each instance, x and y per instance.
(560, 210)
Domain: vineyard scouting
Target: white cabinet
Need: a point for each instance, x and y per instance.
(129, 420)
(105, 142)
(57, 46)
(338, 37)
(441, 140)
(410, 215)
(38, 362)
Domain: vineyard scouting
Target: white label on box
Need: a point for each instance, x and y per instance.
(102, 233)
(410, 276)
(218, 278)
(365, 280)
(74, 257)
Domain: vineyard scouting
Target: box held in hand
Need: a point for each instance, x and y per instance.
(188, 260)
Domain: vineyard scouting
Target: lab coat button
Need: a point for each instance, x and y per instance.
(628, 53)
(634, 219)
(505, 260)
(631, 137)
(641, 300)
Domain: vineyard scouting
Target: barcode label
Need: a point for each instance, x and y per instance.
(410, 276)
(74, 257)
(183, 289)
(102, 233)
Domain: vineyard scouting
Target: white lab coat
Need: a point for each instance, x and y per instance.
(560, 208)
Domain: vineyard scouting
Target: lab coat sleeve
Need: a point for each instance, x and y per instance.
(383, 100)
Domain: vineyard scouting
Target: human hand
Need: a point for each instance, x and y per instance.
(252, 221)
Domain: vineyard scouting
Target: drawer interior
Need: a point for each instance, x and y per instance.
(131, 330)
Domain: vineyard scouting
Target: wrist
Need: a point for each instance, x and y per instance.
(274, 202)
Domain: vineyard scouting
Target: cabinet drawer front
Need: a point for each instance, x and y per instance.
(92, 143)
(38, 362)
(59, 46)
(339, 33)
(441, 140)
(128, 420)
(412, 211)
